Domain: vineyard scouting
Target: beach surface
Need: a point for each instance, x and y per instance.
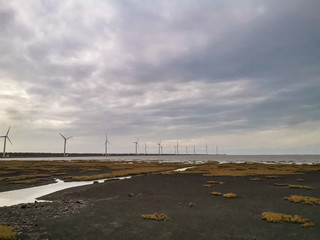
(114, 209)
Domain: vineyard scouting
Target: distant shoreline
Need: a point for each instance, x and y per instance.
(48, 154)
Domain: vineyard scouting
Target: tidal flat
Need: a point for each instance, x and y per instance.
(182, 206)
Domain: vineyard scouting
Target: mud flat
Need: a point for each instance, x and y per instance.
(184, 203)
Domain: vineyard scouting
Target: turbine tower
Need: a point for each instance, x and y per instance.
(217, 150)
(5, 142)
(194, 149)
(65, 143)
(145, 149)
(206, 149)
(136, 146)
(106, 145)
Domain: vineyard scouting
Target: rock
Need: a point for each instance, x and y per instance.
(131, 195)
(23, 206)
(95, 182)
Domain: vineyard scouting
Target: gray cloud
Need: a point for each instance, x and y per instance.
(209, 71)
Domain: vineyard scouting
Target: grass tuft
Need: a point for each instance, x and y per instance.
(255, 179)
(280, 217)
(281, 184)
(156, 217)
(300, 186)
(216, 182)
(6, 232)
(216, 193)
(230, 195)
(206, 185)
(303, 199)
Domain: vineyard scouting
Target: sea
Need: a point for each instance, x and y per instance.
(194, 158)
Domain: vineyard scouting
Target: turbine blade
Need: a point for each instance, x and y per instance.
(8, 131)
(62, 136)
(9, 140)
(69, 137)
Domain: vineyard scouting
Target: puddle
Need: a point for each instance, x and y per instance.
(182, 169)
(30, 195)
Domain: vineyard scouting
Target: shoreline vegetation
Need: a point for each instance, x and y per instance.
(35, 172)
(166, 190)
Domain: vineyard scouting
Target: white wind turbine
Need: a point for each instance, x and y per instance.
(5, 142)
(177, 147)
(159, 144)
(145, 149)
(106, 145)
(65, 143)
(136, 143)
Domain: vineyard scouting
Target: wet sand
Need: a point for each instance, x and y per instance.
(112, 210)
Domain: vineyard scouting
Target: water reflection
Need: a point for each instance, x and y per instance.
(30, 195)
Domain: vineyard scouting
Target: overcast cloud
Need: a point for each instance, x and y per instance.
(244, 75)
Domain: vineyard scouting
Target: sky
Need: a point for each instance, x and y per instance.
(240, 75)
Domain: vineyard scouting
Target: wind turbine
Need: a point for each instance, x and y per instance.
(194, 149)
(217, 150)
(206, 149)
(136, 146)
(177, 147)
(106, 145)
(5, 142)
(159, 147)
(145, 149)
(65, 143)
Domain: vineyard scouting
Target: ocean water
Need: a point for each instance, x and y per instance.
(197, 158)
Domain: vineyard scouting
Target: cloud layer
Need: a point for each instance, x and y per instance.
(241, 75)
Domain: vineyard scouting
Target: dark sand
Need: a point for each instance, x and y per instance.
(113, 210)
